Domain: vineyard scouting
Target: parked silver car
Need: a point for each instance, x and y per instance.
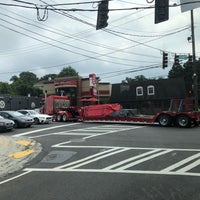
(38, 118)
(19, 119)
(6, 124)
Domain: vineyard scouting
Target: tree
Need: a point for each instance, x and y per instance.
(68, 71)
(176, 71)
(186, 71)
(5, 88)
(137, 78)
(24, 84)
(48, 77)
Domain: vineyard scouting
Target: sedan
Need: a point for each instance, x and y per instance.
(38, 118)
(6, 124)
(19, 119)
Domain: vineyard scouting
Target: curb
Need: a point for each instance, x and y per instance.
(16, 152)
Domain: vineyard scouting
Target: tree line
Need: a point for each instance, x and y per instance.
(24, 83)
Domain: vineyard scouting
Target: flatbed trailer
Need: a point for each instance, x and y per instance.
(103, 113)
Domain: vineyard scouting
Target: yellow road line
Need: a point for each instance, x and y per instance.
(21, 154)
(25, 143)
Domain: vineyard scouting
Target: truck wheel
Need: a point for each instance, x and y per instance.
(183, 121)
(58, 118)
(164, 120)
(64, 118)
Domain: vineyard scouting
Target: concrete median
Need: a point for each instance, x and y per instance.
(16, 152)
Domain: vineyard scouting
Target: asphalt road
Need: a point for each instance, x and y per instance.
(90, 161)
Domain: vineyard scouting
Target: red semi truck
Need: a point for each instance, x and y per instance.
(180, 113)
(59, 107)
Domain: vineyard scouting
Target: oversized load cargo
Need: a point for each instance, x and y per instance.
(99, 111)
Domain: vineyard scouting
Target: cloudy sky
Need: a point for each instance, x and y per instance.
(44, 42)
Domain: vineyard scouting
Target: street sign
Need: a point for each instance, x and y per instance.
(187, 5)
(183, 57)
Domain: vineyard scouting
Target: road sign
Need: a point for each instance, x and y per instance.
(183, 57)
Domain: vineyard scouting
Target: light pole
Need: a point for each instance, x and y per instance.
(195, 77)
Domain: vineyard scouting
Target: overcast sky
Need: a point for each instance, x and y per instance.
(131, 44)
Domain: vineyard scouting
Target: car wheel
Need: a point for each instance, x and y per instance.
(36, 121)
(16, 125)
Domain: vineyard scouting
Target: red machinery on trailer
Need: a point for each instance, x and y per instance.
(180, 114)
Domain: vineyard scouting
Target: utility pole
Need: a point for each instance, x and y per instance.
(195, 77)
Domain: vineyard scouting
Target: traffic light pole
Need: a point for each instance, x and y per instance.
(195, 77)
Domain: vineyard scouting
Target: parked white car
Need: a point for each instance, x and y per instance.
(38, 118)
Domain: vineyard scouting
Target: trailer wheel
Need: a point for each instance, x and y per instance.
(183, 121)
(58, 118)
(64, 118)
(164, 120)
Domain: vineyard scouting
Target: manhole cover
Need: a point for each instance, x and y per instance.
(58, 156)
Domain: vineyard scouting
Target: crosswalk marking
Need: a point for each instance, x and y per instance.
(182, 162)
(98, 158)
(95, 132)
(131, 159)
(143, 160)
(87, 158)
(127, 165)
(120, 159)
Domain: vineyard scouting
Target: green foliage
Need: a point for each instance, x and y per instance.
(137, 78)
(186, 71)
(68, 71)
(48, 76)
(5, 88)
(24, 84)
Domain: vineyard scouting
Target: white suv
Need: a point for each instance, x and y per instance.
(38, 118)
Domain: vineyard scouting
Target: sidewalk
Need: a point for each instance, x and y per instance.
(15, 152)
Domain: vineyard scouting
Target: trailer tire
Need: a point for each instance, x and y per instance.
(164, 120)
(64, 118)
(183, 121)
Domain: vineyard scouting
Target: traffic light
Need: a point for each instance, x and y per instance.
(190, 93)
(102, 15)
(161, 11)
(176, 59)
(190, 58)
(165, 60)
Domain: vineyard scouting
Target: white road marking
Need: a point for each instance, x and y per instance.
(112, 171)
(182, 162)
(131, 159)
(78, 165)
(98, 158)
(143, 160)
(189, 167)
(43, 129)
(114, 130)
(15, 177)
(87, 158)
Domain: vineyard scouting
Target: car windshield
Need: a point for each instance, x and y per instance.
(33, 112)
(1, 117)
(16, 114)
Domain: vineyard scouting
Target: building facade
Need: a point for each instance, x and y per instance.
(77, 88)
